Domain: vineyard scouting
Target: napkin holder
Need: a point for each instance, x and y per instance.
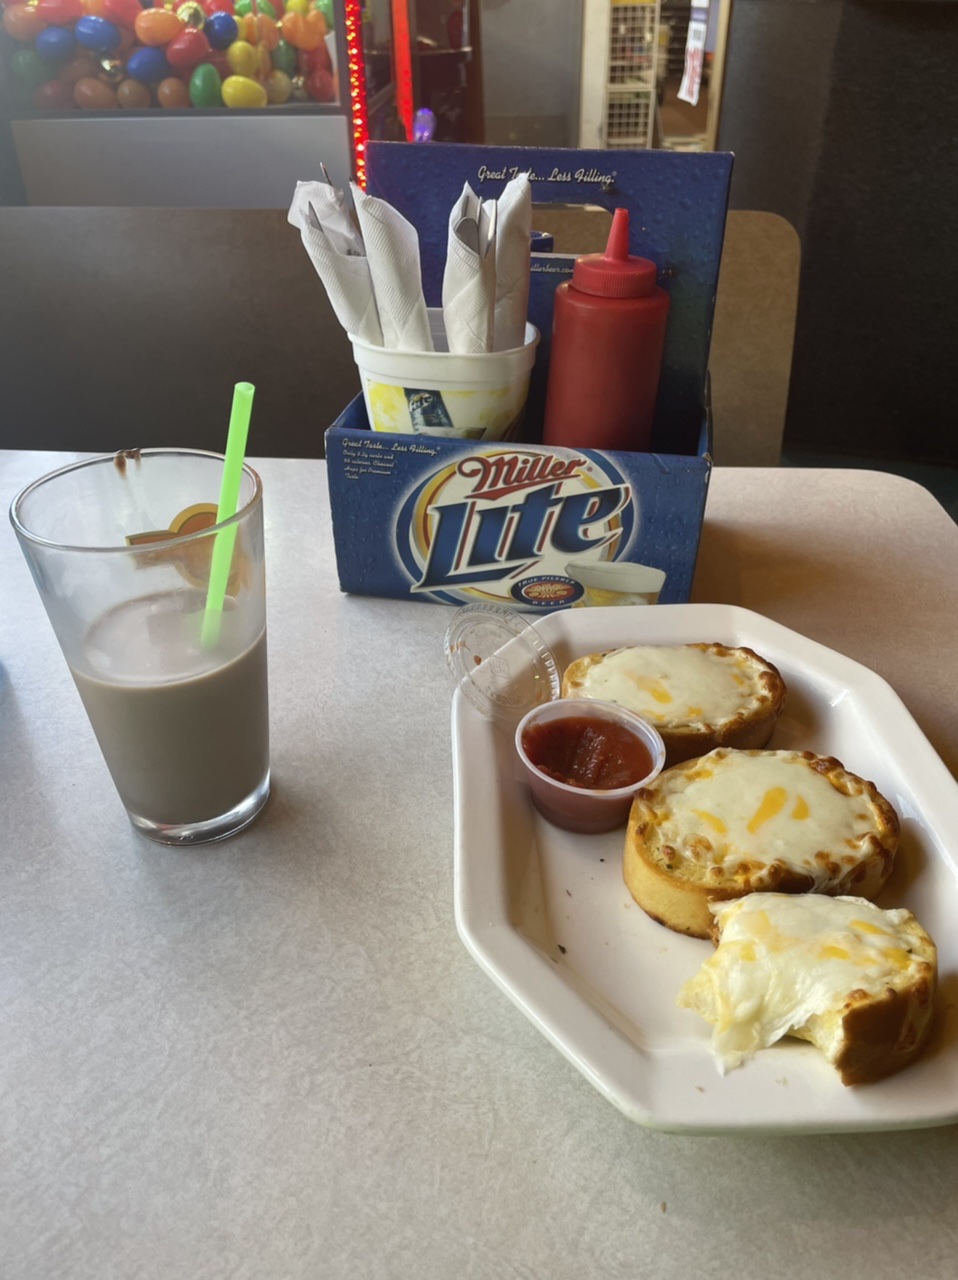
(453, 521)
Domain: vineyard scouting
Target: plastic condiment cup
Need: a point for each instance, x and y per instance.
(581, 809)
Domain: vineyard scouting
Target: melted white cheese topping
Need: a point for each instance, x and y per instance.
(679, 686)
(764, 806)
(787, 960)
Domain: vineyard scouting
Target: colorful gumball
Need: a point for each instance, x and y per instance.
(172, 94)
(23, 22)
(188, 49)
(155, 27)
(29, 69)
(319, 85)
(79, 66)
(97, 34)
(243, 58)
(94, 8)
(93, 95)
(326, 8)
(241, 91)
(278, 87)
(305, 31)
(123, 12)
(262, 6)
(267, 32)
(283, 58)
(217, 60)
(217, 6)
(220, 30)
(297, 6)
(132, 95)
(53, 95)
(206, 87)
(59, 12)
(318, 59)
(55, 44)
(148, 65)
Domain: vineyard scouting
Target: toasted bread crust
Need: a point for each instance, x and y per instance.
(881, 1037)
(750, 728)
(676, 891)
(871, 1036)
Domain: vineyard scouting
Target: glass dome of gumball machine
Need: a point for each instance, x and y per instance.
(132, 103)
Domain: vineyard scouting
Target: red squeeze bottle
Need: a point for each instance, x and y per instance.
(608, 335)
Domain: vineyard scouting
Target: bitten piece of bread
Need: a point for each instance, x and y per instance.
(856, 981)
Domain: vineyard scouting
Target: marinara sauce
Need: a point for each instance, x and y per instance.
(596, 755)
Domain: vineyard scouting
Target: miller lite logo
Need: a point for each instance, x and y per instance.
(502, 524)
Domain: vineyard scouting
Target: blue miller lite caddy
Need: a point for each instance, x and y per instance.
(514, 522)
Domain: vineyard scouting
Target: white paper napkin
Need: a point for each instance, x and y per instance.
(336, 251)
(392, 248)
(469, 280)
(513, 248)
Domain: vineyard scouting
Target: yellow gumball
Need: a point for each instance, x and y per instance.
(243, 58)
(278, 88)
(264, 63)
(241, 91)
(297, 6)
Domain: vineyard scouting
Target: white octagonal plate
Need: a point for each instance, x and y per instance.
(548, 917)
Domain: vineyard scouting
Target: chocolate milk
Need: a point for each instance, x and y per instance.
(184, 731)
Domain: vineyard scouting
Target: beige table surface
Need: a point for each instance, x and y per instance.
(274, 1058)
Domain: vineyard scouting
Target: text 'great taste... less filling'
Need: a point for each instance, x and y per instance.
(597, 755)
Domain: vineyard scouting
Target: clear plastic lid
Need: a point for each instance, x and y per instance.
(499, 660)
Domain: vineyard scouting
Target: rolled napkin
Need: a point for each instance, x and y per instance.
(336, 251)
(469, 280)
(513, 249)
(392, 248)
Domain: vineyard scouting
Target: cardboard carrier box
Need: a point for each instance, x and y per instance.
(514, 522)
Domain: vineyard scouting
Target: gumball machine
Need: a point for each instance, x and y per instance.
(191, 102)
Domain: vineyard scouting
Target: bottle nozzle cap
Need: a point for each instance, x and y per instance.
(615, 273)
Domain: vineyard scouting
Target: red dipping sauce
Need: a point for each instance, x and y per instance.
(597, 755)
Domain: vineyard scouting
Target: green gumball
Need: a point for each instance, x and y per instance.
(206, 86)
(29, 69)
(284, 58)
(243, 7)
(328, 9)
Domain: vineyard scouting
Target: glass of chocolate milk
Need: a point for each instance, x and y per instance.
(120, 549)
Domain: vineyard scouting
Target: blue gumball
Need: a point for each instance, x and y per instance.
(55, 43)
(221, 30)
(97, 34)
(149, 65)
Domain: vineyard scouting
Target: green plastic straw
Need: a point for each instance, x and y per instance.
(229, 500)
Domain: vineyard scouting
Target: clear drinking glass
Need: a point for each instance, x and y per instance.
(120, 548)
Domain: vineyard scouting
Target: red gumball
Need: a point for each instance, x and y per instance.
(23, 22)
(60, 13)
(53, 96)
(188, 49)
(219, 60)
(319, 85)
(318, 59)
(123, 13)
(217, 6)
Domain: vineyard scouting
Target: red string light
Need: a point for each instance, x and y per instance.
(356, 67)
